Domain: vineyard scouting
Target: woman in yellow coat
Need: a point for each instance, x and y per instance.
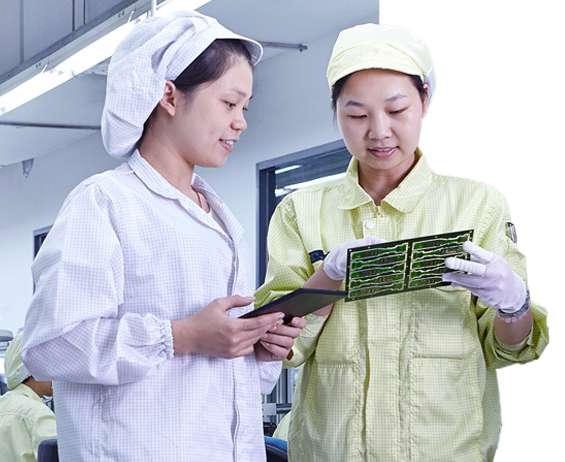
(410, 376)
(25, 421)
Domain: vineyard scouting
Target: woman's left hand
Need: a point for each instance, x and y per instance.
(489, 277)
(276, 344)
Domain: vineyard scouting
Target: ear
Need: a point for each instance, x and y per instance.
(170, 99)
(426, 100)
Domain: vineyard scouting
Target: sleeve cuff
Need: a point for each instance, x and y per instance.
(167, 339)
(517, 346)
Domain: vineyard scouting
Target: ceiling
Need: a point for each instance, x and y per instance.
(80, 101)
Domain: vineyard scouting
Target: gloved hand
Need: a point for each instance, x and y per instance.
(491, 278)
(335, 263)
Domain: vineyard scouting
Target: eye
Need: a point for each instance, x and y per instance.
(230, 105)
(357, 116)
(245, 108)
(398, 111)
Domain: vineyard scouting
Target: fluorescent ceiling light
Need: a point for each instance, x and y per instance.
(175, 5)
(47, 76)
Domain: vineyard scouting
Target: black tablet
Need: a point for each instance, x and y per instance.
(299, 303)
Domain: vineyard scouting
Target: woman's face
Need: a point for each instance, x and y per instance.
(209, 121)
(380, 116)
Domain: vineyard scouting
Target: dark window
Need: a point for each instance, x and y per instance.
(278, 177)
(39, 236)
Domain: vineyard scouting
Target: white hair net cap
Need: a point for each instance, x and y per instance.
(156, 50)
(376, 46)
(16, 372)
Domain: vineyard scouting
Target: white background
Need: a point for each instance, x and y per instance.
(497, 117)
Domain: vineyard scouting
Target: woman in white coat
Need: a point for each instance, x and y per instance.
(143, 272)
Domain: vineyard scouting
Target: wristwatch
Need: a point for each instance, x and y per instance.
(510, 318)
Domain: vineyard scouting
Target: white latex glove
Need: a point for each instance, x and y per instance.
(490, 278)
(335, 263)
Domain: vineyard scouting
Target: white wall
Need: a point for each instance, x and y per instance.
(27, 204)
(498, 117)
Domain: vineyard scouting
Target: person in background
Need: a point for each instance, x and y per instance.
(143, 275)
(281, 432)
(410, 376)
(25, 420)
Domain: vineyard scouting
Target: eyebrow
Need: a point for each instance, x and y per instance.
(241, 93)
(395, 97)
(354, 103)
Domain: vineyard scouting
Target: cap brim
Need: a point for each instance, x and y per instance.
(255, 48)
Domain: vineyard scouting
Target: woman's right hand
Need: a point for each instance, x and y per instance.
(335, 263)
(332, 272)
(213, 333)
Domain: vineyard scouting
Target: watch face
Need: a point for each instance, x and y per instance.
(316, 255)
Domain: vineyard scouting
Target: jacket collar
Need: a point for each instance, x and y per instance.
(159, 185)
(26, 391)
(403, 198)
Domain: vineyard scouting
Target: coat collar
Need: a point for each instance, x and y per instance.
(26, 391)
(403, 198)
(159, 185)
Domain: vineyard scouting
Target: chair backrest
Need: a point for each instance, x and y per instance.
(47, 451)
(276, 450)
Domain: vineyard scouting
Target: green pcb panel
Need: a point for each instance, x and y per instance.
(400, 266)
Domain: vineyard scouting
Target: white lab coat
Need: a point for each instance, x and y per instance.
(127, 254)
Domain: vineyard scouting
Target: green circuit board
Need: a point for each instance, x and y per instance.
(400, 266)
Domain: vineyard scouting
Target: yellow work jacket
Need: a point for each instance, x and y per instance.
(405, 377)
(24, 422)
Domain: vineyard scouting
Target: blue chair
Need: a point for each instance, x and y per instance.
(277, 450)
(47, 451)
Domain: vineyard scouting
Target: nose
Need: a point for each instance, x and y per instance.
(239, 123)
(380, 127)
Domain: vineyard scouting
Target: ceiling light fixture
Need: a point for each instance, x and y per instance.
(66, 63)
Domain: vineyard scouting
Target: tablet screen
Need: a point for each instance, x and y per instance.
(299, 303)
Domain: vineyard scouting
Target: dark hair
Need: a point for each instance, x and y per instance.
(338, 88)
(212, 63)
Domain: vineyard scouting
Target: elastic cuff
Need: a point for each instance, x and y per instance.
(167, 339)
(517, 346)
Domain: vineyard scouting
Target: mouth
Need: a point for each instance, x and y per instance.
(382, 152)
(228, 144)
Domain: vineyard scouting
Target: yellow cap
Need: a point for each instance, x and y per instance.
(16, 372)
(374, 46)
